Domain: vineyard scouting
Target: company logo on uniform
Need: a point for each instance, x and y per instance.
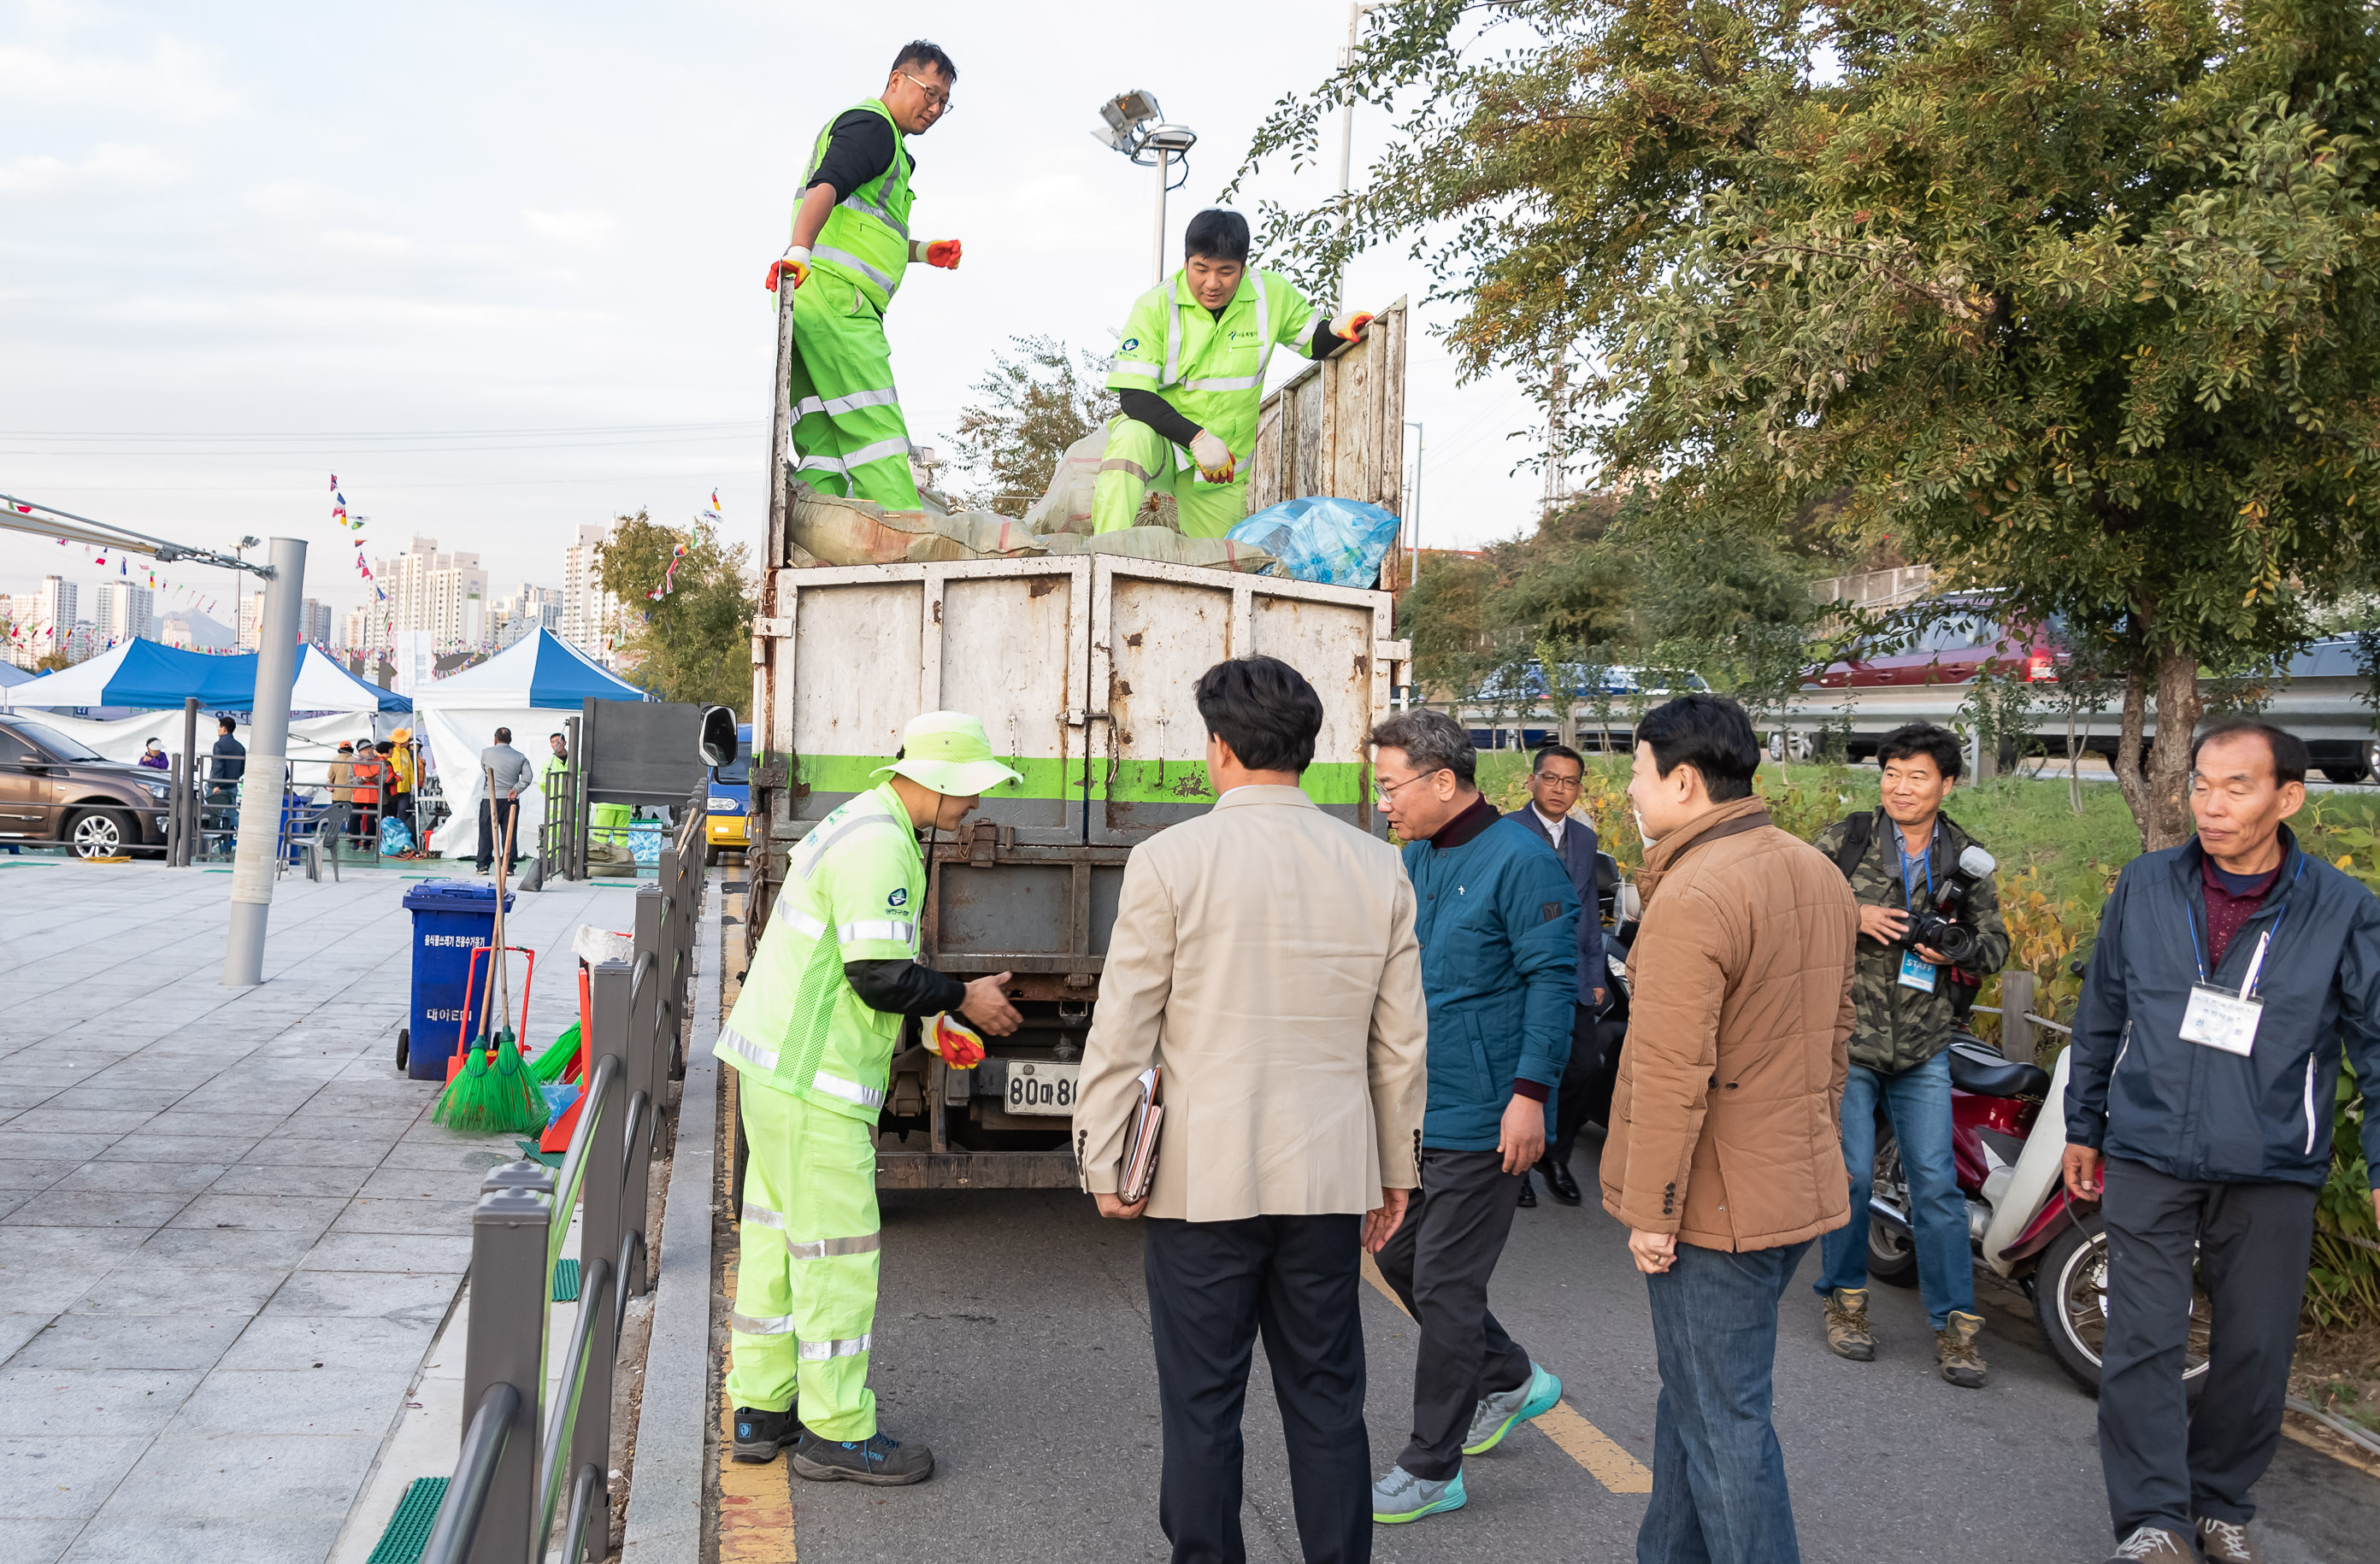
(900, 897)
(1130, 343)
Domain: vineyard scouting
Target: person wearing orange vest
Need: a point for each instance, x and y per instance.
(370, 771)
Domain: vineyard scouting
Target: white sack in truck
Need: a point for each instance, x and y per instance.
(1067, 505)
(1164, 544)
(839, 531)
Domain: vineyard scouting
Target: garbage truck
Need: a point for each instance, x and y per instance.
(1082, 668)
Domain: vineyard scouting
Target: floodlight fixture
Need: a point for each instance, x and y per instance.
(1137, 127)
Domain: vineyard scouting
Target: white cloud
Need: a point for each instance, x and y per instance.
(570, 227)
(111, 163)
(360, 241)
(175, 81)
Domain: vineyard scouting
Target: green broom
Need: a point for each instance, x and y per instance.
(492, 1095)
(559, 1054)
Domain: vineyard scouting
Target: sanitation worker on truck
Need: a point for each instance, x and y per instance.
(851, 244)
(812, 1038)
(1189, 377)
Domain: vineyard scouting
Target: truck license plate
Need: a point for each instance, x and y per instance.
(1043, 1085)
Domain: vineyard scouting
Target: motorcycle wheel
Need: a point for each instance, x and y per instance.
(2070, 1301)
(1891, 1253)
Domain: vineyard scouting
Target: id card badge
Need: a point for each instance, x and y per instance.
(1917, 974)
(2218, 1018)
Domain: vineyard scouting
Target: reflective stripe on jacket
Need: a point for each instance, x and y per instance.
(865, 237)
(2138, 1091)
(1208, 370)
(854, 888)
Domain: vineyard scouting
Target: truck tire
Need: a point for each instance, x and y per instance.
(404, 1047)
(2344, 774)
(711, 855)
(2070, 1293)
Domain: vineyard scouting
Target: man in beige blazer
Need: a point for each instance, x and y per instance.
(1264, 956)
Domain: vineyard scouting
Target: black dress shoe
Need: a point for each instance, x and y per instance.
(1528, 1193)
(1559, 1180)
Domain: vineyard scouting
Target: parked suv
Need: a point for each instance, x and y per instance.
(52, 789)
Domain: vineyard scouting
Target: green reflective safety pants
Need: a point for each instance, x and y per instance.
(806, 1267)
(849, 436)
(1140, 461)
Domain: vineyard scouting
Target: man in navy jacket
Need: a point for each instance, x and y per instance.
(2205, 1068)
(1555, 778)
(1496, 920)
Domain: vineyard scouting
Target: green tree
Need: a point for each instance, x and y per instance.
(1035, 403)
(2074, 298)
(693, 643)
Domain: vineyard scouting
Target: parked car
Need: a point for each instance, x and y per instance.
(52, 789)
(1518, 694)
(1971, 635)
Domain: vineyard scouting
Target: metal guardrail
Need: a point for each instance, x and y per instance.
(525, 1452)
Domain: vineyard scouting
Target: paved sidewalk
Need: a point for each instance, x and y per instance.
(228, 1231)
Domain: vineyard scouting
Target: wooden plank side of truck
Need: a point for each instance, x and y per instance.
(1082, 668)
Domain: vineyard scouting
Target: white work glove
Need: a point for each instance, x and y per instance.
(1214, 457)
(796, 264)
(1348, 324)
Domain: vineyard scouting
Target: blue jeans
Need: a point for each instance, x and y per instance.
(1918, 1103)
(1719, 1478)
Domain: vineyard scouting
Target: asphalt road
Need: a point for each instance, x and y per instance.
(1012, 1335)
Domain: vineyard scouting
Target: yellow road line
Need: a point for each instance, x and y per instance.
(1603, 1459)
(755, 1502)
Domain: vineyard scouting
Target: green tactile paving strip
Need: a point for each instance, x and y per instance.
(566, 1281)
(408, 1529)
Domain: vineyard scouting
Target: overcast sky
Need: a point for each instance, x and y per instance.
(498, 266)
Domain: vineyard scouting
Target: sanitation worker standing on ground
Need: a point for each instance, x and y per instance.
(850, 246)
(812, 1035)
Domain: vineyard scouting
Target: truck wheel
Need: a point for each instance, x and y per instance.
(711, 855)
(404, 1047)
(2070, 1301)
(98, 833)
(1891, 1253)
(2347, 773)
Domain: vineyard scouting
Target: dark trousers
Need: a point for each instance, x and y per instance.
(2250, 1242)
(1438, 1262)
(1718, 1478)
(1571, 1097)
(495, 815)
(1211, 1287)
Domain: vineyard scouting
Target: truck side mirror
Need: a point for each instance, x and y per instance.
(719, 745)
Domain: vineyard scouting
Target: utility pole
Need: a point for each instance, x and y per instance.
(1347, 140)
(255, 861)
(1413, 498)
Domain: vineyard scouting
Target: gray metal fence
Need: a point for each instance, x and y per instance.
(525, 1455)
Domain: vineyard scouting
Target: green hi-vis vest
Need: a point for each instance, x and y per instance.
(867, 234)
(853, 892)
(1212, 370)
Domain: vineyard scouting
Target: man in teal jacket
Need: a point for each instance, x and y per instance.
(1498, 921)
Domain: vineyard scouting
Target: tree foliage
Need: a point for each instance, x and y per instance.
(2074, 298)
(693, 643)
(1036, 402)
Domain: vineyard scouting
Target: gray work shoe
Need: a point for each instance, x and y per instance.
(1848, 1335)
(876, 1460)
(2225, 1541)
(1402, 1497)
(2153, 1544)
(760, 1435)
(1954, 1345)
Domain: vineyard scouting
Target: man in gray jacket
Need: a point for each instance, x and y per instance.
(2227, 974)
(504, 770)
(1555, 779)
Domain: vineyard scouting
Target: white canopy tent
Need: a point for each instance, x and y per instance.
(531, 687)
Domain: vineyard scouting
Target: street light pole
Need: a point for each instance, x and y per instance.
(1347, 140)
(1413, 500)
(1164, 157)
(256, 860)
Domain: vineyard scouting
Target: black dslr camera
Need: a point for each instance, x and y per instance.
(1940, 929)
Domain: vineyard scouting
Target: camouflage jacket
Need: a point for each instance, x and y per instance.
(1899, 1029)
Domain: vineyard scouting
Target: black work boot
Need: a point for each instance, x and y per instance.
(876, 1460)
(760, 1435)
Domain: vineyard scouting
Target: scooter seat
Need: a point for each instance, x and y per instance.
(1975, 1068)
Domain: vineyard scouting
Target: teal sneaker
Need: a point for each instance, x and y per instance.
(1402, 1497)
(1497, 1415)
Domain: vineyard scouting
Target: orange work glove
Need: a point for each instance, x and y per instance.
(941, 252)
(953, 1041)
(796, 265)
(1349, 325)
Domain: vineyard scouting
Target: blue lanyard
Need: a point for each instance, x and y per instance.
(1908, 886)
(2280, 914)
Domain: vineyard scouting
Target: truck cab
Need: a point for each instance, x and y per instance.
(726, 827)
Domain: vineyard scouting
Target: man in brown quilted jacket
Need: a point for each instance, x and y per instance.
(1724, 1156)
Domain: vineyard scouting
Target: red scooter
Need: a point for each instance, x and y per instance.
(2007, 1135)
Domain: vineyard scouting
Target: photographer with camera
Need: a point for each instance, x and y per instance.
(1930, 932)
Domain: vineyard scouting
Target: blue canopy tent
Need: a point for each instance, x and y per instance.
(147, 677)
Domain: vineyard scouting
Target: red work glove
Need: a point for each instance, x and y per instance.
(796, 264)
(953, 1041)
(943, 253)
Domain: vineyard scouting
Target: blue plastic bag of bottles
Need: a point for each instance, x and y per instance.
(1339, 542)
(393, 837)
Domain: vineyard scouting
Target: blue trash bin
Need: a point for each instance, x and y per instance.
(451, 919)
